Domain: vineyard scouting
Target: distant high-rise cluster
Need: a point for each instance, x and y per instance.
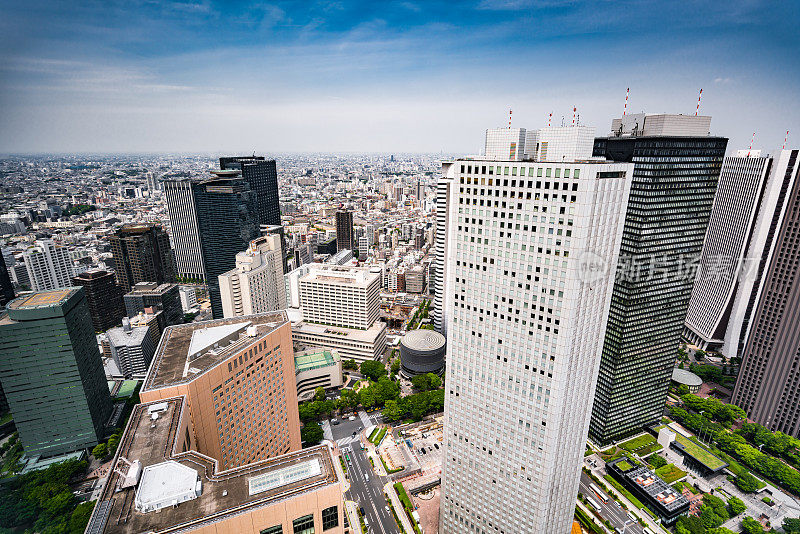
(214, 219)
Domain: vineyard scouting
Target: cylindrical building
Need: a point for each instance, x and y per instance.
(421, 352)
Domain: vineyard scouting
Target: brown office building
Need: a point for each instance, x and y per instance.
(768, 387)
(103, 296)
(142, 254)
(345, 240)
(215, 445)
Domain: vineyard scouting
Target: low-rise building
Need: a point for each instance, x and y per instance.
(131, 347)
(649, 488)
(316, 368)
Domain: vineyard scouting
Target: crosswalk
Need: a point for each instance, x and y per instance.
(344, 442)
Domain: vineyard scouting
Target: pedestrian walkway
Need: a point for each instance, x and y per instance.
(327, 433)
(408, 528)
(365, 420)
(346, 441)
(352, 516)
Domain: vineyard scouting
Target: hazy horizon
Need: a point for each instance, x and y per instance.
(357, 77)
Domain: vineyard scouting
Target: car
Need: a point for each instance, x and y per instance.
(352, 418)
(354, 434)
(366, 478)
(436, 445)
(387, 509)
(334, 421)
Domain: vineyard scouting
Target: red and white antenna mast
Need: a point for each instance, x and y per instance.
(509, 119)
(697, 111)
(549, 120)
(574, 110)
(625, 109)
(750, 148)
(785, 139)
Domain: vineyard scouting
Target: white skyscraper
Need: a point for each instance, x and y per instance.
(505, 144)
(183, 231)
(726, 274)
(49, 266)
(530, 257)
(256, 284)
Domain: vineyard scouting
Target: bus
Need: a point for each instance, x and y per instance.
(603, 497)
(594, 503)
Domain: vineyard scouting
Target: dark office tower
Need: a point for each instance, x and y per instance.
(6, 287)
(227, 220)
(103, 296)
(142, 254)
(344, 230)
(51, 372)
(163, 297)
(677, 165)
(768, 386)
(262, 175)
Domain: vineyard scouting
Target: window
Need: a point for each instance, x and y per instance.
(277, 529)
(330, 518)
(304, 525)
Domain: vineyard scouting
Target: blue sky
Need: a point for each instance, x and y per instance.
(140, 75)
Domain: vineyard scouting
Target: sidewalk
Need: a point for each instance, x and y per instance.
(373, 453)
(351, 508)
(408, 528)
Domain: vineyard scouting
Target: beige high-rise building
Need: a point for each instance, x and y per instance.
(256, 284)
(340, 296)
(215, 445)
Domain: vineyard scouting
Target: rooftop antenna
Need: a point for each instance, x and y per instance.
(509, 119)
(549, 120)
(625, 109)
(562, 121)
(697, 111)
(750, 148)
(785, 139)
(574, 109)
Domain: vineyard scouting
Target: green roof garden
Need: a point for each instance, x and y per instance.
(314, 360)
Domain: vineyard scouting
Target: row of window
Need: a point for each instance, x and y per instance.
(305, 524)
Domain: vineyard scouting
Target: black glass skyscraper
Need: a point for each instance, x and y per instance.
(262, 175)
(677, 165)
(227, 220)
(6, 287)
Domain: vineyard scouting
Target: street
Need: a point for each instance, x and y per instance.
(366, 488)
(609, 510)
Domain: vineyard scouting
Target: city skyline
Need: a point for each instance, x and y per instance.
(147, 77)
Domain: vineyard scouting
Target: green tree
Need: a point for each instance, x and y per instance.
(736, 506)
(751, 526)
(683, 389)
(373, 369)
(100, 451)
(311, 433)
(746, 482)
(80, 517)
(791, 525)
(350, 364)
(392, 411)
(656, 461)
(395, 366)
(319, 393)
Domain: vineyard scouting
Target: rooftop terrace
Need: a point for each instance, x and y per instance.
(174, 363)
(223, 493)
